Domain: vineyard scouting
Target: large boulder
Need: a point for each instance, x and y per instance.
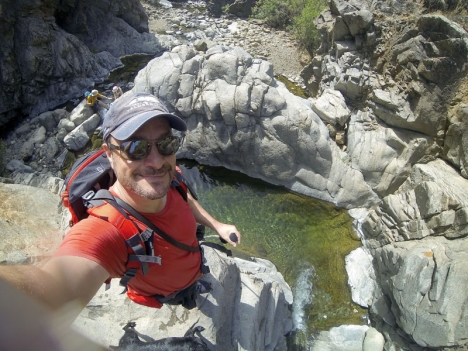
(424, 284)
(29, 223)
(240, 117)
(419, 240)
(431, 202)
(248, 308)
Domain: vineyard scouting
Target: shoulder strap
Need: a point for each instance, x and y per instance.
(177, 181)
(217, 247)
(118, 204)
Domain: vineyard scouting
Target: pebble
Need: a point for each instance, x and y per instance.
(275, 46)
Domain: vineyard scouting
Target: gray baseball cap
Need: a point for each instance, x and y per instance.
(129, 112)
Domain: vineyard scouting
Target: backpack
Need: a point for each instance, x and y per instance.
(86, 188)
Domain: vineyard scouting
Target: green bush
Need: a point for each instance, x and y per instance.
(275, 13)
(295, 15)
(304, 28)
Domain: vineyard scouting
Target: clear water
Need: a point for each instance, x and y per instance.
(305, 238)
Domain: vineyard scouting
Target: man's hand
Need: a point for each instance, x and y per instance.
(229, 233)
(203, 217)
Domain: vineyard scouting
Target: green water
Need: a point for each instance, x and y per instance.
(292, 231)
(293, 87)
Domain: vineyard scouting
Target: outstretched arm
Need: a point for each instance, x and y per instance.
(27, 324)
(60, 280)
(203, 217)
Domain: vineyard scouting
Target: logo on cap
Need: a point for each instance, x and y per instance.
(140, 102)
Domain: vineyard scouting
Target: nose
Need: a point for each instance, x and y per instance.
(155, 159)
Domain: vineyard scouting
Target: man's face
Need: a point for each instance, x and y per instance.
(152, 176)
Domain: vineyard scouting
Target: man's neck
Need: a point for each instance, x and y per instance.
(139, 203)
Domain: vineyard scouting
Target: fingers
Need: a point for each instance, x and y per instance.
(234, 237)
(229, 234)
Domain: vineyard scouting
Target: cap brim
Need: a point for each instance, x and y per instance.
(129, 127)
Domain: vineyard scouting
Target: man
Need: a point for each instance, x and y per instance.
(93, 99)
(117, 91)
(138, 141)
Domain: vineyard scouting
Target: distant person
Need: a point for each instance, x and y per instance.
(117, 91)
(94, 98)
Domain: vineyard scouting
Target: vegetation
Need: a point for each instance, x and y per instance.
(294, 15)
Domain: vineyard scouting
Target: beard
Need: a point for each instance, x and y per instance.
(154, 190)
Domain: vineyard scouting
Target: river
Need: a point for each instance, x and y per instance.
(305, 238)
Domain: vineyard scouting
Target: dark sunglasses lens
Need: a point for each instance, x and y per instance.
(137, 149)
(169, 145)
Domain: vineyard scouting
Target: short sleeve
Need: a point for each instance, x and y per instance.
(97, 240)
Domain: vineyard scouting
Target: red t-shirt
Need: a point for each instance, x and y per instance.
(100, 241)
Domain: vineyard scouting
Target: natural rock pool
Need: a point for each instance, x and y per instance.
(305, 238)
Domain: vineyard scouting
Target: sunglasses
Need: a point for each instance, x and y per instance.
(135, 150)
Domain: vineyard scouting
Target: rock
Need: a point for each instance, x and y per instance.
(331, 107)
(361, 276)
(431, 202)
(19, 166)
(66, 124)
(49, 149)
(342, 338)
(282, 143)
(80, 113)
(373, 340)
(29, 223)
(78, 137)
(39, 136)
(251, 292)
(383, 155)
(424, 282)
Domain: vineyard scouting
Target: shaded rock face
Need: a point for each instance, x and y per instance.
(52, 51)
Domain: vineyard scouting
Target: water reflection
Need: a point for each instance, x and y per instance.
(306, 239)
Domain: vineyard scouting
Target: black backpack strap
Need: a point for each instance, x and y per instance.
(176, 183)
(129, 274)
(217, 247)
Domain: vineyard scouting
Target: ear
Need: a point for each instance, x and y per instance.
(108, 153)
